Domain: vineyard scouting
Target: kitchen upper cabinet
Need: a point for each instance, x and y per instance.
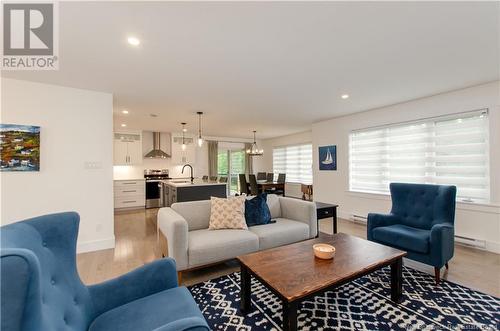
(187, 156)
(127, 148)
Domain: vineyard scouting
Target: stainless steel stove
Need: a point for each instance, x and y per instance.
(153, 186)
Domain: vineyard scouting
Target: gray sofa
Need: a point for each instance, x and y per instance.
(183, 231)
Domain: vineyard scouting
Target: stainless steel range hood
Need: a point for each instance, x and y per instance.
(156, 153)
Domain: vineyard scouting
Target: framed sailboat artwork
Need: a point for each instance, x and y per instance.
(328, 157)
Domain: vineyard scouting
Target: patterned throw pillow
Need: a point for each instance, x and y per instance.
(227, 213)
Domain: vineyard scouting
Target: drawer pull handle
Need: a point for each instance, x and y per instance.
(129, 201)
(130, 191)
(130, 183)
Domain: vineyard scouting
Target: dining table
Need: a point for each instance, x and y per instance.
(264, 185)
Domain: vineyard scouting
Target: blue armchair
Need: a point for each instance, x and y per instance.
(421, 222)
(41, 289)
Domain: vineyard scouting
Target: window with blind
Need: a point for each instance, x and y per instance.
(294, 161)
(451, 150)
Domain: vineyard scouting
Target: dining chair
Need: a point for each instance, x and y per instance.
(243, 184)
(204, 178)
(281, 180)
(270, 177)
(254, 188)
(213, 178)
(222, 179)
(261, 176)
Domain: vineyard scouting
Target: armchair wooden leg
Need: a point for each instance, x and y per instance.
(446, 265)
(179, 277)
(437, 275)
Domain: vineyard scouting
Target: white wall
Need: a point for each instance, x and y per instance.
(265, 163)
(76, 127)
(472, 220)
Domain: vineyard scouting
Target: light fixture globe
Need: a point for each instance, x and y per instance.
(200, 138)
(254, 149)
(183, 146)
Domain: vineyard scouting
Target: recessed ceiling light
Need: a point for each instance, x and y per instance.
(125, 111)
(133, 41)
(124, 125)
(345, 96)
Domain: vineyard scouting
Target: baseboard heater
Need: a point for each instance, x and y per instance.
(293, 190)
(358, 218)
(471, 242)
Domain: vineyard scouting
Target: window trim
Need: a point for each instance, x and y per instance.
(450, 116)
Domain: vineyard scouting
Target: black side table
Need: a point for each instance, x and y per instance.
(326, 210)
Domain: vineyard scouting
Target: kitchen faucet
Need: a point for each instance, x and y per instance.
(188, 165)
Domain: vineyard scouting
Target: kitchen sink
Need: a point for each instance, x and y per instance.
(180, 181)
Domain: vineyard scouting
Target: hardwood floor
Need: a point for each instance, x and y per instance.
(135, 233)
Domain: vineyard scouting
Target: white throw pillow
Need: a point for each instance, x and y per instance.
(227, 213)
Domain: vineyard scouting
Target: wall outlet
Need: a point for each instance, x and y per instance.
(90, 165)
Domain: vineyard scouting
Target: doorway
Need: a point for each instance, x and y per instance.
(231, 163)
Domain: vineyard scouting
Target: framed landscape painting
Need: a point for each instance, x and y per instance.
(19, 147)
(328, 157)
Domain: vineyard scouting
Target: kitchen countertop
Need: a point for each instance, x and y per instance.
(187, 183)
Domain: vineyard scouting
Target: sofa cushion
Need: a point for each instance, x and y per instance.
(227, 213)
(256, 210)
(196, 213)
(283, 232)
(273, 202)
(150, 312)
(207, 246)
(402, 236)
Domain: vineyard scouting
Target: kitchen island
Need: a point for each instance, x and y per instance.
(181, 190)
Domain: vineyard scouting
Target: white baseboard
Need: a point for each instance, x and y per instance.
(343, 215)
(492, 246)
(95, 245)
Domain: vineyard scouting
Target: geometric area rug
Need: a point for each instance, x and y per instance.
(362, 304)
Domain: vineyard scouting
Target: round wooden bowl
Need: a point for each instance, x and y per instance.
(324, 251)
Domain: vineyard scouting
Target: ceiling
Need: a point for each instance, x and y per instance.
(273, 67)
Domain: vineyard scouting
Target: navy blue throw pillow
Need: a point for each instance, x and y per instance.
(256, 210)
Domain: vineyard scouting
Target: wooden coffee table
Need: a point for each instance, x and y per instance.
(293, 273)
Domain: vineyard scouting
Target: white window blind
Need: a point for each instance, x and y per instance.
(451, 150)
(294, 161)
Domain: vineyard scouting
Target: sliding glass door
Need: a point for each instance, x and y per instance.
(231, 163)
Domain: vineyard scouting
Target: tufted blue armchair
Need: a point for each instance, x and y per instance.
(41, 289)
(421, 222)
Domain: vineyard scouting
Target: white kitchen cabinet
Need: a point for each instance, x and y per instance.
(127, 148)
(130, 193)
(187, 156)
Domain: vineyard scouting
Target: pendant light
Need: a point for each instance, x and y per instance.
(200, 139)
(183, 146)
(254, 150)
